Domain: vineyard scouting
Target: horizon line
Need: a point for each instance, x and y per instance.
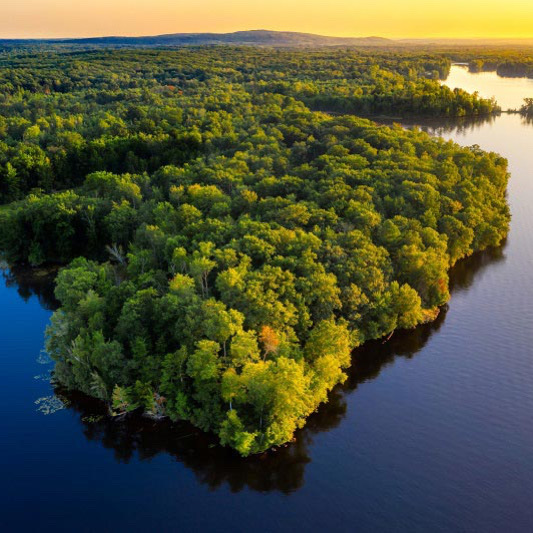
(371, 36)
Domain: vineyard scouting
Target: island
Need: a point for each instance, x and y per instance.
(230, 231)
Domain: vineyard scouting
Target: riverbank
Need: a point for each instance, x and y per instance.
(432, 427)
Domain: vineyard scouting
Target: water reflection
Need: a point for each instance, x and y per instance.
(32, 282)
(527, 120)
(280, 470)
(463, 274)
(459, 126)
(509, 92)
(442, 126)
(372, 357)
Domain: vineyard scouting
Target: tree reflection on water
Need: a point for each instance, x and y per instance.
(279, 470)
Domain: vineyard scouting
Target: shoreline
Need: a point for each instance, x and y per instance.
(96, 410)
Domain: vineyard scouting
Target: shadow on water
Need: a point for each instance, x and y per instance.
(464, 273)
(373, 356)
(442, 126)
(527, 120)
(137, 437)
(459, 126)
(33, 282)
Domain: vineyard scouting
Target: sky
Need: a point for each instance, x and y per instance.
(385, 18)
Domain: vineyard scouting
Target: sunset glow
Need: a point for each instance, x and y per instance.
(386, 18)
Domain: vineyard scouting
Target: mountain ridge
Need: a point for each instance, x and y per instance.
(243, 37)
(262, 37)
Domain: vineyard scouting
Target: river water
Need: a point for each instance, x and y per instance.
(432, 431)
(510, 92)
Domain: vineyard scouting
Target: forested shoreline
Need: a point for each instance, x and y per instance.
(513, 61)
(229, 243)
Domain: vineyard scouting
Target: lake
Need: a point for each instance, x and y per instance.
(431, 432)
(510, 92)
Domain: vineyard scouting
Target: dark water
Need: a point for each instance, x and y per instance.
(432, 431)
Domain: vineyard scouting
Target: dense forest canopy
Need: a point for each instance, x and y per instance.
(229, 245)
(63, 115)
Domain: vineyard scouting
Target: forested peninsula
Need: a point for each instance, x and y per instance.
(230, 232)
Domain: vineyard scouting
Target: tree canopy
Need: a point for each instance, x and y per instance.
(228, 244)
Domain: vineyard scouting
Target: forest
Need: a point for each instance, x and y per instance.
(508, 61)
(230, 229)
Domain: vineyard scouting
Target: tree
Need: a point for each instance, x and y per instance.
(270, 341)
(244, 348)
(204, 364)
(232, 434)
(220, 324)
(201, 265)
(233, 387)
(120, 400)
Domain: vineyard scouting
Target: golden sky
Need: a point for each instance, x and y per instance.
(386, 18)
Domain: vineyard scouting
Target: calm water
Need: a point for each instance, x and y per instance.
(510, 92)
(432, 432)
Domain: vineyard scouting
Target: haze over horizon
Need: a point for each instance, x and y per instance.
(486, 19)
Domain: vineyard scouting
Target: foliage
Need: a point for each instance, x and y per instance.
(65, 114)
(235, 244)
(527, 107)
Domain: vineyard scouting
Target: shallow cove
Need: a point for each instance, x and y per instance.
(432, 431)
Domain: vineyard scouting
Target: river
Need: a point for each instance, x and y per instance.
(432, 431)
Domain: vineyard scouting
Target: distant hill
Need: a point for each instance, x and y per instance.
(264, 38)
(252, 37)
